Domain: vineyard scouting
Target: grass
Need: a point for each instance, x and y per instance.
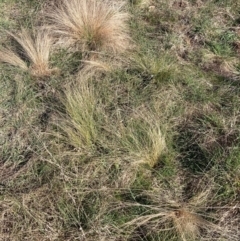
(81, 107)
(36, 50)
(119, 145)
(142, 138)
(7, 56)
(92, 25)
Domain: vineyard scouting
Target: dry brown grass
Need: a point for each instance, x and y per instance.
(224, 66)
(36, 50)
(100, 158)
(188, 224)
(8, 56)
(188, 220)
(91, 24)
(185, 223)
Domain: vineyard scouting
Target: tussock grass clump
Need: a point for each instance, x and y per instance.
(139, 140)
(185, 223)
(91, 24)
(188, 220)
(81, 126)
(36, 50)
(143, 139)
(188, 224)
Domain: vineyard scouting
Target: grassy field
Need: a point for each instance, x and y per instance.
(119, 120)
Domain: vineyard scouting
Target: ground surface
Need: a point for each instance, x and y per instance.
(146, 148)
